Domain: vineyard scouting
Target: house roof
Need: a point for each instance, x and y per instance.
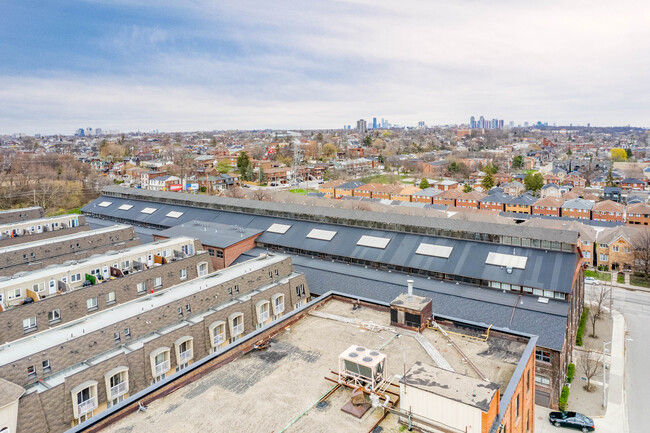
(428, 192)
(523, 199)
(640, 208)
(332, 183)
(632, 180)
(351, 185)
(612, 234)
(577, 203)
(450, 194)
(549, 201)
(608, 206)
(472, 195)
(551, 185)
(211, 233)
(496, 198)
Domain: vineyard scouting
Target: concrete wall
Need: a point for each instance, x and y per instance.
(72, 305)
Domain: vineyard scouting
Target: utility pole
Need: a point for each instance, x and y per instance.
(34, 196)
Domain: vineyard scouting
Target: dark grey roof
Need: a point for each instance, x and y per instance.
(212, 234)
(350, 185)
(632, 180)
(496, 198)
(577, 203)
(329, 215)
(467, 257)
(525, 199)
(611, 189)
(551, 185)
(487, 306)
(316, 194)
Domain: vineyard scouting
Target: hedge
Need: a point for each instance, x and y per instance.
(581, 326)
(571, 371)
(564, 398)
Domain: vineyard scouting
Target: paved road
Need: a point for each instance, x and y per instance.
(635, 306)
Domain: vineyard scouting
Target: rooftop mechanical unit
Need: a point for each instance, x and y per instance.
(362, 367)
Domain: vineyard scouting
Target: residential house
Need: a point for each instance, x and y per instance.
(146, 177)
(405, 194)
(278, 175)
(165, 183)
(376, 190)
(521, 204)
(445, 185)
(470, 199)
(608, 210)
(347, 189)
(329, 188)
(513, 188)
(495, 202)
(550, 190)
(638, 213)
(615, 247)
(549, 178)
(448, 197)
(575, 181)
(612, 193)
(577, 208)
(634, 184)
(502, 178)
(425, 195)
(549, 206)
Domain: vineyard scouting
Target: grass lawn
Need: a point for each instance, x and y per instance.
(301, 191)
(639, 281)
(603, 276)
(385, 178)
(620, 279)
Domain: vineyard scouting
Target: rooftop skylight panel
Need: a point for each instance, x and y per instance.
(373, 242)
(434, 250)
(148, 210)
(105, 204)
(507, 260)
(125, 207)
(174, 214)
(323, 235)
(278, 228)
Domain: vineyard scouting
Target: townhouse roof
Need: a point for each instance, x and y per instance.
(608, 206)
(612, 189)
(332, 183)
(640, 208)
(472, 195)
(577, 203)
(549, 201)
(428, 192)
(24, 209)
(587, 232)
(450, 194)
(351, 185)
(632, 180)
(211, 233)
(409, 190)
(635, 199)
(379, 187)
(551, 185)
(610, 235)
(524, 199)
(9, 392)
(514, 184)
(496, 198)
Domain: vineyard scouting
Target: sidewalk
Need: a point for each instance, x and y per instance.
(615, 418)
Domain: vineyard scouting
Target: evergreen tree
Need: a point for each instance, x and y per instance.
(243, 161)
(424, 184)
(488, 182)
(610, 179)
(467, 188)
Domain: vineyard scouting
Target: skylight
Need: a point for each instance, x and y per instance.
(323, 235)
(174, 214)
(373, 242)
(278, 228)
(434, 250)
(125, 207)
(105, 204)
(148, 210)
(508, 260)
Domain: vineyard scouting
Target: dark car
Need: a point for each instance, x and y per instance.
(571, 420)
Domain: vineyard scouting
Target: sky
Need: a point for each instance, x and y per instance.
(195, 65)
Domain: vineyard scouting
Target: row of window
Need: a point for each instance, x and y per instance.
(54, 316)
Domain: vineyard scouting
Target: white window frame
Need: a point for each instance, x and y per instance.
(90, 302)
(29, 323)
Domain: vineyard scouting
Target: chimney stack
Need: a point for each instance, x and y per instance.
(410, 284)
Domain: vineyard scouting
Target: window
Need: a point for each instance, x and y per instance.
(542, 380)
(278, 306)
(46, 366)
(183, 352)
(183, 274)
(75, 277)
(13, 294)
(91, 303)
(615, 248)
(300, 290)
(236, 326)
(586, 254)
(110, 298)
(211, 252)
(157, 283)
(31, 371)
(29, 323)
(38, 287)
(604, 257)
(160, 363)
(628, 250)
(180, 311)
(528, 381)
(203, 269)
(236, 288)
(218, 332)
(127, 333)
(54, 316)
(117, 384)
(86, 400)
(188, 308)
(219, 254)
(263, 313)
(543, 355)
(116, 337)
(141, 287)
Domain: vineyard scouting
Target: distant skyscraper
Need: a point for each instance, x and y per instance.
(79, 133)
(501, 124)
(525, 124)
(374, 123)
(481, 122)
(472, 122)
(512, 123)
(421, 125)
(362, 126)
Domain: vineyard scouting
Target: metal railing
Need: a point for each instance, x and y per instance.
(239, 329)
(185, 356)
(219, 338)
(87, 406)
(161, 368)
(264, 316)
(118, 390)
(279, 309)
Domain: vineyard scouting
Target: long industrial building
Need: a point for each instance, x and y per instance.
(522, 278)
(42, 228)
(72, 373)
(22, 214)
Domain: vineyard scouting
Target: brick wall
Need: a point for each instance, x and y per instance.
(524, 420)
(6, 242)
(231, 253)
(73, 304)
(72, 249)
(21, 215)
(89, 345)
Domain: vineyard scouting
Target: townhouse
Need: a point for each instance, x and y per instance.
(425, 195)
(638, 213)
(548, 206)
(608, 210)
(42, 228)
(577, 208)
(470, 199)
(513, 188)
(329, 188)
(447, 198)
(632, 184)
(495, 201)
(521, 204)
(347, 189)
(550, 190)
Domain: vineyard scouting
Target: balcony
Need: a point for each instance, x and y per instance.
(87, 406)
(118, 390)
(185, 356)
(237, 330)
(219, 339)
(264, 316)
(162, 368)
(279, 309)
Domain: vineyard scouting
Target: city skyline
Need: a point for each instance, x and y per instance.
(243, 65)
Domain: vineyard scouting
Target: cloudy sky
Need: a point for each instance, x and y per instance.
(221, 64)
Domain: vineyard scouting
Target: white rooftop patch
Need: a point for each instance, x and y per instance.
(278, 228)
(125, 207)
(434, 250)
(105, 204)
(148, 210)
(373, 242)
(507, 260)
(323, 235)
(174, 214)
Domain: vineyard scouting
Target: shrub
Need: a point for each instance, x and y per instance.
(564, 398)
(571, 371)
(581, 326)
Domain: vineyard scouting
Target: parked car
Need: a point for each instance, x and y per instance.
(590, 280)
(573, 420)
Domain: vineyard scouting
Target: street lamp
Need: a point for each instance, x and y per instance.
(605, 343)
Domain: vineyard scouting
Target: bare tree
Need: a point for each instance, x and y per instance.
(593, 318)
(261, 195)
(641, 245)
(598, 298)
(589, 363)
(235, 192)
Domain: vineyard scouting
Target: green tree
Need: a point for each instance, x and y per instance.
(367, 140)
(424, 184)
(487, 182)
(249, 174)
(319, 137)
(262, 176)
(610, 179)
(243, 161)
(628, 151)
(329, 149)
(380, 159)
(518, 162)
(467, 188)
(453, 167)
(491, 169)
(534, 181)
(224, 166)
(569, 152)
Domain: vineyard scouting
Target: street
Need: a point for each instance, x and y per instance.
(635, 307)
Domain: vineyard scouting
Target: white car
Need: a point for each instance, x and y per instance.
(590, 280)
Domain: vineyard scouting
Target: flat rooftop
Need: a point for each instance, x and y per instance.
(268, 390)
(211, 233)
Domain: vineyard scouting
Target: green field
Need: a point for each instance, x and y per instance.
(301, 191)
(384, 178)
(603, 276)
(639, 281)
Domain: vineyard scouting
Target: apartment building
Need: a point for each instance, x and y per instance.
(470, 200)
(347, 189)
(133, 345)
(548, 206)
(329, 188)
(632, 184)
(615, 247)
(608, 210)
(447, 197)
(22, 214)
(29, 256)
(42, 228)
(494, 201)
(577, 208)
(638, 213)
(425, 195)
(521, 204)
